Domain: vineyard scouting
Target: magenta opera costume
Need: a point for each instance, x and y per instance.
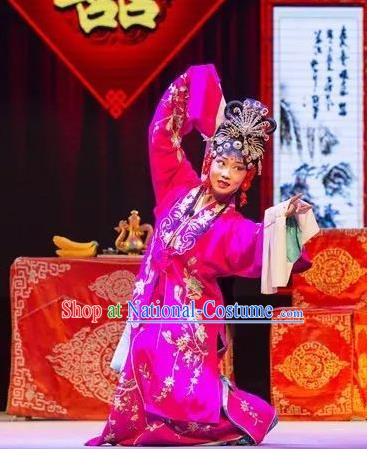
(170, 390)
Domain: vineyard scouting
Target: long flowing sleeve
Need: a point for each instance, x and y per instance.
(191, 101)
(278, 262)
(244, 245)
(268, 250)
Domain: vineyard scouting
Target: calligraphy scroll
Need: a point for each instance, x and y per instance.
(317, 92)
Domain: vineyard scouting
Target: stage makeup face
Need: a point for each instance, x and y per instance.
(226, 175)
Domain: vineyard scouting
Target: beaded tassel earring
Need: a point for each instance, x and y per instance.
(246, 184)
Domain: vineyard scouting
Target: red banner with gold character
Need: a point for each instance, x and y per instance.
(116, 47)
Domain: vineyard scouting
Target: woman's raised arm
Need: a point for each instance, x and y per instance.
(192, 100)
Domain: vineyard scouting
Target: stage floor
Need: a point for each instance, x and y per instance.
(42, 434)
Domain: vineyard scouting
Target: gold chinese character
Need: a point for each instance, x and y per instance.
(99, 13)
(138, 12)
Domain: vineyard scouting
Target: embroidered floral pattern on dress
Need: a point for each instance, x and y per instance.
(194, 288)
(144, 371)
(246, 407)
(123, 400)
(110, 438)
(83, 360)
(171, 361)
(177, 293)
(181, 236)
(169, 383)
(191, 350)
(153, 427)
(176, 103)
(192, 427)
(139, 288)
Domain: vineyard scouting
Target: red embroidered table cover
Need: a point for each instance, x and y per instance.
(60, 367)
(338, 276)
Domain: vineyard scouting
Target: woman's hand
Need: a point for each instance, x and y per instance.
(297, 206)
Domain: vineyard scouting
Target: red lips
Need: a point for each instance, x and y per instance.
(223, 184)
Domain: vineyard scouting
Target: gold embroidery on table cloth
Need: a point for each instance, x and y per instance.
(277, 333)
(341, 323)
(362, 370)
(311, 365)
(298, 299)
(84, 360)
(116, 287)
(362, 301)
(285, 407)
(23, 389)
(359, 408)
(333, 271)
(342, 405)
(363, 239)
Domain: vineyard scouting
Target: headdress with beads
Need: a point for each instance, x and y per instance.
(244, 129)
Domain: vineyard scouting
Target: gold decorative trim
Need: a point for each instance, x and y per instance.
(23, 392)
(285, 407)
(117, 286)
(342, 405)
(84, 360)
(362, 238)
(359, 408)
(226, 364)
(362, 303)
(298, 299)
(277, 333)
(340, 322)
(311, 365)
(333, 271)
(362, 370)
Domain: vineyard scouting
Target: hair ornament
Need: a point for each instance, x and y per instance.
(245, 129)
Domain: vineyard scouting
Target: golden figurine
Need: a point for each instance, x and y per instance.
(134, 242)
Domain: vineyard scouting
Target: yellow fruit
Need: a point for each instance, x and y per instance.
(64, 243)
(77, 253)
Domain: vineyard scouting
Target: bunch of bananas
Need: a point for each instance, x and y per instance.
(69, 248)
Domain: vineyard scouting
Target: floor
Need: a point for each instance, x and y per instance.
(42, 434)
